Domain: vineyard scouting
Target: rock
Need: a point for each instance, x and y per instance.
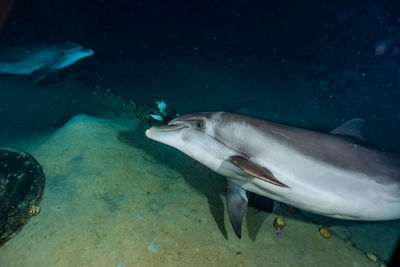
(21, 187)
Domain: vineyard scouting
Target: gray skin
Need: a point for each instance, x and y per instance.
(40, 60)
(332, 174)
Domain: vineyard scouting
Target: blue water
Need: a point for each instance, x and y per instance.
(305, 63)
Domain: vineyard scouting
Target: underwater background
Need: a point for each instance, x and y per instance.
(115, 198)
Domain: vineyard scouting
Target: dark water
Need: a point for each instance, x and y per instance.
(310, 63)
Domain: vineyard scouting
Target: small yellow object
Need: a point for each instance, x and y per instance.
(325, 232)
(33, 210)
(371, 257)
(279, 223)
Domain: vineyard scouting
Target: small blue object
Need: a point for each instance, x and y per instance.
(157, 117)
(162, 107)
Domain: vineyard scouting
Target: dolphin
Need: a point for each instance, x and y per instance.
(40, 60)
(333, 174)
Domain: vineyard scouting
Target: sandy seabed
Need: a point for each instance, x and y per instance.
(115, 198)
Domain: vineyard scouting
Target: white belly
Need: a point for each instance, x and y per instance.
(323, 189)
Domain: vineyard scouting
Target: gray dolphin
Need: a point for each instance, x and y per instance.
(331, 174)
(40, 60)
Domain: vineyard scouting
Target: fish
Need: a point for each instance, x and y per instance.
(336, 174)
(40, 60)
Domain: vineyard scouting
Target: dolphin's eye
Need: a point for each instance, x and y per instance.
(199, 124)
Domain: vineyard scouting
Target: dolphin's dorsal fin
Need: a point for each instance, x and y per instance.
(255, 170)
(352, 128)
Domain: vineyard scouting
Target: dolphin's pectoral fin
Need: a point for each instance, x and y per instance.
(236, 203)
(256, 170)
(40, 74)
(48, 70)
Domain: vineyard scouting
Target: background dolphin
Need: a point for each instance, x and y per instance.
(335, 175)
(40, 60)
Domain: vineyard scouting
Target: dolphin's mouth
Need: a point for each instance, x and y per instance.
(168, 128)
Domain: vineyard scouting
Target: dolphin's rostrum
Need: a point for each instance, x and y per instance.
(333, 174)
